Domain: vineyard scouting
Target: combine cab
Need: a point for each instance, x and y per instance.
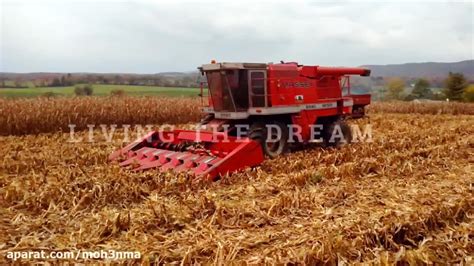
(267, 100)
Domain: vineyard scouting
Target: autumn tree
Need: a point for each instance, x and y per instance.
(468, 94)
(118, 80)
(455, 85)
(422, 90)
(18, 83)
(396, 86)
(56, 82)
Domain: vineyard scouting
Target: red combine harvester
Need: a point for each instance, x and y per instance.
(273, 106)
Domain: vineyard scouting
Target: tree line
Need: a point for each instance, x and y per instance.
(455, 88)
(190, 80)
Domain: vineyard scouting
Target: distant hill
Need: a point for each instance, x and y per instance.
(434, 72)
(427, 70)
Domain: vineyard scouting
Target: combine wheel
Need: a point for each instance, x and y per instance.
(271, 148)
(358, 111)
(337, 133)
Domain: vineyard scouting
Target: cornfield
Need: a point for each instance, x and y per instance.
(433, 107)
(42, 115)
(405, 197)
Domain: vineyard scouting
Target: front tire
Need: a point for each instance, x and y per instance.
(259, 132)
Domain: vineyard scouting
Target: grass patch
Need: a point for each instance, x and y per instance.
(102, 90)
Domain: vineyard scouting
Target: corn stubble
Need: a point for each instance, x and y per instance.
(405, 197)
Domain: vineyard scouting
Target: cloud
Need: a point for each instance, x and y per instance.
(150, 36)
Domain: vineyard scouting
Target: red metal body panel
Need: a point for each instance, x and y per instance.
(204, 154)
(290, 84)
(314, 83)
(361, 99)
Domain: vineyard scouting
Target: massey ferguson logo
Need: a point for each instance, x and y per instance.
(290, 84)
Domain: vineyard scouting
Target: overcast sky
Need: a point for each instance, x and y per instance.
(152, 36)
